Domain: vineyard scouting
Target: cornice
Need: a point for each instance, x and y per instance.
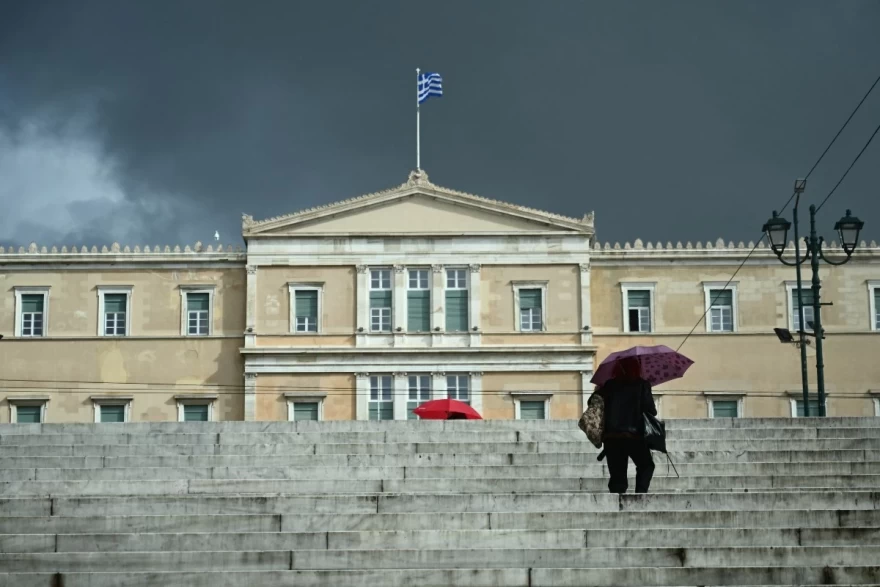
(118, 254)
(639, 251)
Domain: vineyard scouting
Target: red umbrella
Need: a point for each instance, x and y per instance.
(446, 409)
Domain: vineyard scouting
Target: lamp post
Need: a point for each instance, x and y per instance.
(848, 229)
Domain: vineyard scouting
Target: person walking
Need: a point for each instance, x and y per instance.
(627, 396)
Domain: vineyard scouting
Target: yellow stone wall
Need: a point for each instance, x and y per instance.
(339, 402)
(273, 298)
(497, 297)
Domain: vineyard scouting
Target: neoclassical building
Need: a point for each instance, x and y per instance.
(364, 308)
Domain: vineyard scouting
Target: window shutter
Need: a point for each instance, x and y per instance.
(418, 310)
(195, 413)
(806, 294)
(195, 302)
(380, 299)
(381, 411)
(305, 411)
(307, 304)
(639, 298)
(529, 299)
(719, 297)
(457, 310)
(28, 414)
(533, 410)
(31, 303)
(814, 408)
(725, 409)
(114, 303)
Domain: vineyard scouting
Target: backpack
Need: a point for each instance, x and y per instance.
(592, 421)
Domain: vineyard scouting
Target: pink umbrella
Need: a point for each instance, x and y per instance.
(659, 364)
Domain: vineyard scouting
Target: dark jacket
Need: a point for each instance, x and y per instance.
(625, 404)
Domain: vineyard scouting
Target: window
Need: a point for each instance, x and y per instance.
(305, 411)
(798, 408)
(724, 408)
(381, 404)
(419, 392)
(530, 310)
(112, 408)
(720, 306)
(197, 311)
(456, 300)
(305, 307)
(198, 407)
(809, 316)
(532, 410)
(874, 304)
(114, 307)
(458, 388)
(418, 301)
(305, 407)
(31, 315)
(637, 310)
(27, 410)
(380, 300)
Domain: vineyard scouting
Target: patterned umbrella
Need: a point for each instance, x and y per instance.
(659, 364)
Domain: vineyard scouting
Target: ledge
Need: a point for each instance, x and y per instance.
(13, 399)
(531, 394)
(717, 394)
(203, 396)
(309, 395)
(111, 398)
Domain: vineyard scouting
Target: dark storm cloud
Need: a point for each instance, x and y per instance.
(163, 121)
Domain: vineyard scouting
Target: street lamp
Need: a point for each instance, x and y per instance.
(848, 229)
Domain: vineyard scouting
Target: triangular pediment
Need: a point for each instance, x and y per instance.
(417, 207)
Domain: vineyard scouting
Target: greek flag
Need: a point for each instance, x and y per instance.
(430, 84)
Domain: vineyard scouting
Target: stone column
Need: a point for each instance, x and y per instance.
(401, 394)
(585, 316)
(251, 310)
(250, 397)
(362, 387)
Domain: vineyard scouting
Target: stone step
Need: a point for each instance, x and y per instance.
(414, 425)
(485, 459)
(423, 486)
(609, 558)
(782, 519)
(583, 446)
(439, 539)
(477, 577)
(142, 473)
(420, 436)
(438, 502)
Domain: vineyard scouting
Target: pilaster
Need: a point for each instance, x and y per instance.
(474, 308)
(250, 397)
(438, 386)
(251, 310)
(398, 305)
(586, 325)
(401, 394)
(438, 299)
(362, 390)
(586, 389)
(476, 391)
(363, 299)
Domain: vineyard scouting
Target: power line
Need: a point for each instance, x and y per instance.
(851, 165)
(781, 210)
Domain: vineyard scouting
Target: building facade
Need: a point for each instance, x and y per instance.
(364, 308)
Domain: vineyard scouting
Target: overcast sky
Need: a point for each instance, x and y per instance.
(160, 122)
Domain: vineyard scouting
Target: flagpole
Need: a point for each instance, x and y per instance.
(418, 127)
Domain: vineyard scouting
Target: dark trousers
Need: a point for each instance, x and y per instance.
(618, 451)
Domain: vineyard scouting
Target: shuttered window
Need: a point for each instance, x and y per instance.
(876, 308)
(306, 309)
(112, 413)
(530, 310)
(28, 414)
(721, 310)
(639, 313)
(457, 310)
(725, 409)
(458, 388)
(807, 296)
(32, 314)
(195, 412)
(532, 410)
(419, 392)
(305, 411)
(418, 310)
